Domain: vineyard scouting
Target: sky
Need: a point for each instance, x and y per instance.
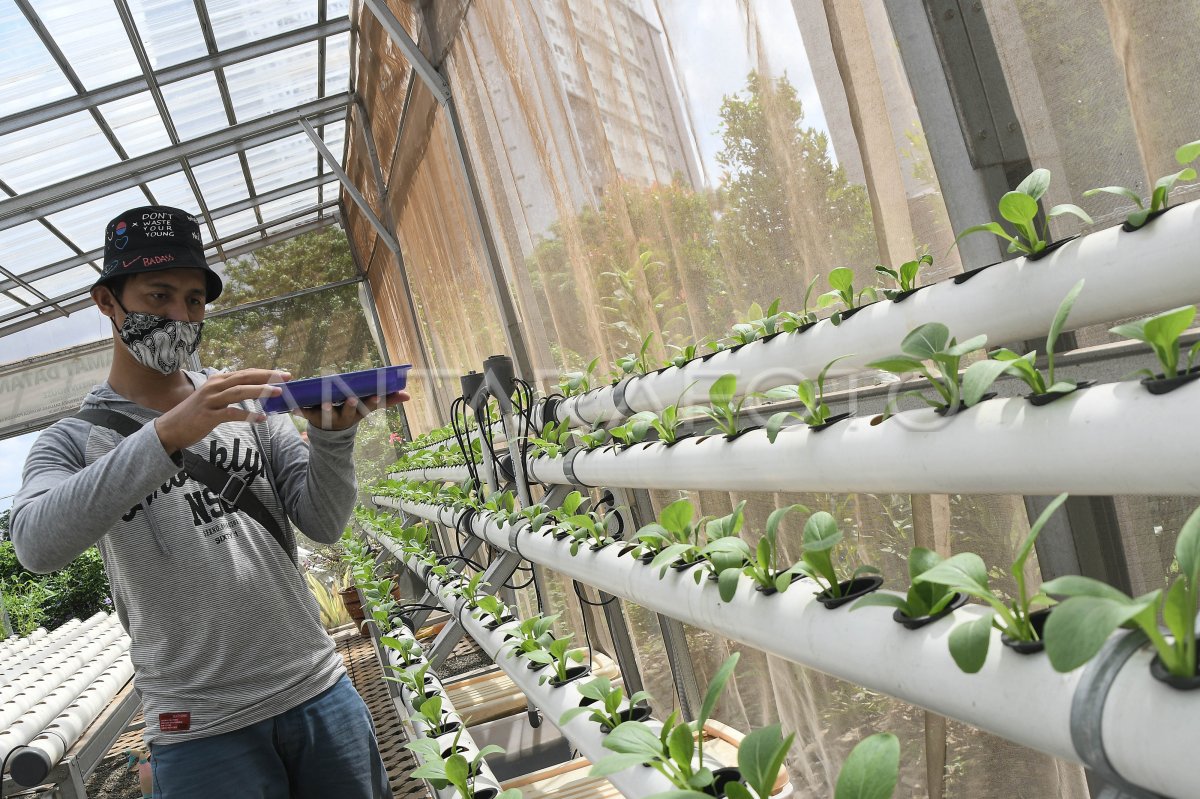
(712, 46)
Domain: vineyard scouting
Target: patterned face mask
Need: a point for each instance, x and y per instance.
(157, 342)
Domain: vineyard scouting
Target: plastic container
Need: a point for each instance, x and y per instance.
(314, 391)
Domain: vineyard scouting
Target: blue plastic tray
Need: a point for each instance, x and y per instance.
(313, 391)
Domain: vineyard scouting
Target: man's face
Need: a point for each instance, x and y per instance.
(177, 294)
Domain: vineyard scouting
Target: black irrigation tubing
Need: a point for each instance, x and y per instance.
(463, 437)
(587, 636)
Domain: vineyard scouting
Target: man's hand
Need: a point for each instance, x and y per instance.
(213, 403)
(327, 417)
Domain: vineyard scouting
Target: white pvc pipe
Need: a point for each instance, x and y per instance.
(445, 474)
(67, 728)
(1149, 729)
(38, 659)
(1127, 274)
(1110, 439)
(553, 702)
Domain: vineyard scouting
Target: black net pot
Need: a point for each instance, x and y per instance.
(635, 713)
(917, 622)
(1159, 672)
(721, 778)
(1038, 620)
(851, 590)
(1164, 385)
(1051, 396)
(769, 590)
(574, 673)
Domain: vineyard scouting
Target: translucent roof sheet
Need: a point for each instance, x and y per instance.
(77, 104)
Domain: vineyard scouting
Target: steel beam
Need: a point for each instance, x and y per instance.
(428, 73)
(226, 210)
(291, 295)
(102, 182)
(188, 69)
(350, 188)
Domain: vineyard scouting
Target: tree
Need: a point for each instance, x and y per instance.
(789, 212)
(4, 522)
(324, 331)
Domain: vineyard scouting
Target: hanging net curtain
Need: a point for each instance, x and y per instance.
(654, 168)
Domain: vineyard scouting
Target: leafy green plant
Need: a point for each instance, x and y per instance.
(673, 532)
(597, 437)
(636, 363)
(871, 770)
(841, 280)
(1162, 188)
(791, 321)
(932, 342)
(554, 440)
(980, 376)
(967, 573)
(667, 424)
(408, 649)
(821, 536)
(502, 505)
(588, 528)
(492, 609)
(574, 383)
(531, 634)
(429, 713)
(723, 551)
(1094, 610)
(677, 752)
(757, 324)
(724, 408)
(444, 772)
(1020, 208)
(635, 429)
(905, 277)
(810, 393)
(762, 567)
(609, 702)
(413, 678)
(559, 655)
(684, 354)
(922, 599)
(1162, 332)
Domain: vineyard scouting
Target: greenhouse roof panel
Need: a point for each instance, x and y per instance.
(78, 99)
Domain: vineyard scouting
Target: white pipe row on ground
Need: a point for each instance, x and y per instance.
(46, 709)
(1126, 274)
(1002, 446)
(73, 633)
(45, 751)
(1149, 729)
(552, 701)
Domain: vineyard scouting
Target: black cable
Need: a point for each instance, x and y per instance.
(587, 636)
(463, 437)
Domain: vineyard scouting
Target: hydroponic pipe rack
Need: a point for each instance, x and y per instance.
(1125, 274)
(584, 734)
(1147, 729)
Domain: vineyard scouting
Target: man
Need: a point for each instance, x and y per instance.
(243, 691)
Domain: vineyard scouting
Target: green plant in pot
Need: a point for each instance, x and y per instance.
(793, 322)
(1162, 331)
(413, 679)
(980, 376)
(674, 528)
(762, 566)
(925, 602)
(723, 551)
(683, 354)
(589, 528)
(932, 342)
(454, 771)
(724, 407)
(1014, 618)
(560, 655)
(430, 715)
(574, 383)
(636, 363)
(595, 438)
(1092, 611)
(1020, 209)
(492, 612)
(554, 439)
(608, 707)
(531, 634)
(408, 650)
(666, 424)
(1158, 201)
(821, 537)
(841, 281)
(905, 277)
(810, 393)
(634, 430)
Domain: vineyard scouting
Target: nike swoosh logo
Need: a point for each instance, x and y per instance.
(126, 264)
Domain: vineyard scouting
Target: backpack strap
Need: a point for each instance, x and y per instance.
(229, 488)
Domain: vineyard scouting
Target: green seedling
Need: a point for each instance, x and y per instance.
(491, 610)
(674, 531)
(684, 354)
(596, 438)
(587, 528)
(407, 648)
(724, 408)
(559, 656)
(791, 321)
(810, 393)
(414, 680)
(575, 383)
(1020, 208)
(871, 770)
(967, 573)
(454, 771)
(723, 551)
(1162, 188)
(1094, 610)
(636, 363)
(531, 634)
(1162, 332)
(635, 429)
(923, 598)
(905, 277)
(667, 424)
(932, 342)
(502, 505)
(821, 536)
(608, 705)
(429, 713)
(841, 280)
(980, 376)
(677, 752)
(554, 440)
(761, 567)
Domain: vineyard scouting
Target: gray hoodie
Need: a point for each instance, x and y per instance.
(224, 631)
